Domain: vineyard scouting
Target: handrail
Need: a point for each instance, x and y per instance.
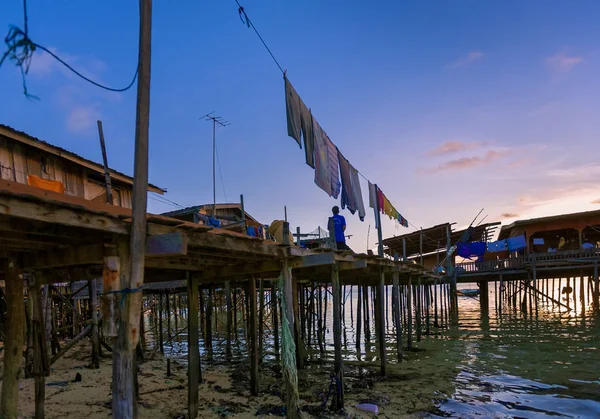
(523, 261)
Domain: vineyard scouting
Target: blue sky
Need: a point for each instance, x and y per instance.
(450, 106)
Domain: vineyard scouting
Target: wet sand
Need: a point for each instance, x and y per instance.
(408, 391)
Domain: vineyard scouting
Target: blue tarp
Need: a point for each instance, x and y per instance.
(516, 243)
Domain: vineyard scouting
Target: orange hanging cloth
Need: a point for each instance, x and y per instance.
(47, 184)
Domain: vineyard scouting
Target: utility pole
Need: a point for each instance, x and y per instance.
(107, 181)
(215, 120)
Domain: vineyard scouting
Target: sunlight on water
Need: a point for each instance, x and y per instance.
(500, 365)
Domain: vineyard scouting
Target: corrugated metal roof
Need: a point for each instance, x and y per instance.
(69, 155)
(505, 231)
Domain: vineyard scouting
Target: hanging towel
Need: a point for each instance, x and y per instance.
(516, 243)
(351, 193)
(306, 123)
(334, 169)
(372, 195)
(293, 111)
(538, 241)
(498, 246)
(251, 231)
(322, 174)
(47, 184)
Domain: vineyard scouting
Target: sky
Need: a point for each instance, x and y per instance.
(449, 106)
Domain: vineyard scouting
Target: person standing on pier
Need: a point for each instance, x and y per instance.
(339, 228)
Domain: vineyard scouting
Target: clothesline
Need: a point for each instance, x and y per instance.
(333, 172)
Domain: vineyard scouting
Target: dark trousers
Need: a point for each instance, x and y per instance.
(342, 246)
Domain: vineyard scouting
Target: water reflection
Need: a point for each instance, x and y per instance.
(502, 362)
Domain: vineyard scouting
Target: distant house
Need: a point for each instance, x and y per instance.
(29, 160)
(230, 216)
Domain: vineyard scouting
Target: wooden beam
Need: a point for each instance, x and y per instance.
(169, 244)
(72, 256)
(307, 261)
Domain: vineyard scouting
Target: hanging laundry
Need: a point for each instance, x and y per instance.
(516, 243)
(251, 231)
(306, 123)
(466, 250)
(538, 241)
(326, 162)
(372, 195)
(47, 184)
(497, 246)
(351, 193)
(293, 111)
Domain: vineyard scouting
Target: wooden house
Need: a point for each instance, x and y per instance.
(231, 216)
(29, 160)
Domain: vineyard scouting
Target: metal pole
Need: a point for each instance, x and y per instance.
(378, 222)
(214, 173)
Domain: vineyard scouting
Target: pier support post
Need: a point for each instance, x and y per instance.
(396, 306)
(209, 322)
(275, 314)
(410, 312)
(230, 310)
(337, 338)
(484, 296)
(95, 338)
(380, 307)
(261, 314)
(193, 349)
(13, 343)
(290, 376)
(300, 351)
(253, 337)
(597, 287)
(161, 344)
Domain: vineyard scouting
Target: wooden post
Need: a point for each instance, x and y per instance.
(107, 181)
(168, 307)
(291, 383)
(435, 303)
(209, 316)
(230, 310)
(484, 296)
(597, 286)
(417, 297)
(396, 295)
(337, 338)
(160, 323)
(275, 312)
(193, 349)
(40, 365)
(95, 340)
(381, 328)
(535, 287)
(410, 312)
(13, 342)
(261, 322)
(123, 390)
(297, 334)
(253, 337)
(358, 319)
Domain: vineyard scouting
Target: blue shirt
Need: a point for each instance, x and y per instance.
(339, 222)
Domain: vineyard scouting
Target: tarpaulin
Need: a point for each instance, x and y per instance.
(47, 184)
(516, 243)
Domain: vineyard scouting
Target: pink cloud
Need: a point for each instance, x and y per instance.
(509, 215)
(466, 162)
(467, 60)
(454, 146)
(563, 63)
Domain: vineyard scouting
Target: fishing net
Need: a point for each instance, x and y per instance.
(288, 346)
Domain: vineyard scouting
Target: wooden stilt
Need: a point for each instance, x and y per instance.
(597, 287)
(209, 323)
(358, 319)
(484, 296)
(160, 324)
(291, 384)
(202, 306)
(13, 343)
(396, 294)
(230, 311)
(193, 349)
(261, 322)
(410, 313)
(381, 329)
(95, 339)
(275, 311)
(176, 316)
(337, 338)
(168, 313)
(253, 342)
(417, 297)
(300, 351)
(366, 311)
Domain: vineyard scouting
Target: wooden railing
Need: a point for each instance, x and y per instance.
(517, 262)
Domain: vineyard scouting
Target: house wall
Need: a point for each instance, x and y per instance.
(18, 160)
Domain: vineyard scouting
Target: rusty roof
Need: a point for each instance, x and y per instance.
(197, 208)
(32, 141)
(505, 231)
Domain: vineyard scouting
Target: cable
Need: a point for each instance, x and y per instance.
(167, 200)
(249, 23)
(220, 174)
(18, 39)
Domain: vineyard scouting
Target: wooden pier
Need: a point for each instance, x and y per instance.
(49, 240)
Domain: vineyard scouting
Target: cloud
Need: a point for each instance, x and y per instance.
(454, 146)
(563, 63)
(595, 201)
(509, 215)
(467, 60)
(82, 118)
(466, 162)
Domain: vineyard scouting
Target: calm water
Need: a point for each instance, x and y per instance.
(500, 366)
